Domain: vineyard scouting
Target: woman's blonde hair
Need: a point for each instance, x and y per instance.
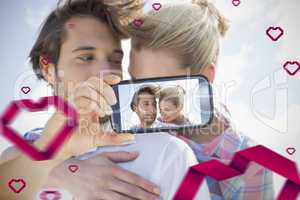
(192, 30)
(175, 94)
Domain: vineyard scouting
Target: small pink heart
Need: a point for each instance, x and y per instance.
(25, 90)
(292, 67)
(73, 168)
(16, 185)
(291, 150)
(46, 60)
(138, 23)
(236, 2)
(50, 195)
(156, 6)
(274, 33)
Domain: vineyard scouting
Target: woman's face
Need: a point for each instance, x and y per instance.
(169, 111)
(146, 63)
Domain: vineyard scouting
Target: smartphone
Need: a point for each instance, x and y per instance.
(162, 104)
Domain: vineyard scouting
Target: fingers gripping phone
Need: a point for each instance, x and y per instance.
(162, 104)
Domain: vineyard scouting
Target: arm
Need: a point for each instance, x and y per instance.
(99, 177)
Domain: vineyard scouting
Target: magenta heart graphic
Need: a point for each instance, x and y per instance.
(156, 6)
(58, 140)
(16, 185)
(50, 195)
(138, 23)
(274, 33)
(73, 168)
(45, 60)
(290, 150)
(292, 67)
(25, 89)
(236, 2)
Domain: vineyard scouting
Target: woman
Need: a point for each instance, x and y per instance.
(171, 102)
(184, 40)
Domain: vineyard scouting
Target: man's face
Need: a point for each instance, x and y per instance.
(146, 108)
(89, 49)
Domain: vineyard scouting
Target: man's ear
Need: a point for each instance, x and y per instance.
(48, 70)
(209, 71)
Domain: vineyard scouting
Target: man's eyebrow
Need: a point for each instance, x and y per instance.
(84, 48)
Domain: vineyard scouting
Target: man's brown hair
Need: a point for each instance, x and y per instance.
(53, 33)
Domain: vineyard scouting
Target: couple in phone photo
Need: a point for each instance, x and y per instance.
(170, 103)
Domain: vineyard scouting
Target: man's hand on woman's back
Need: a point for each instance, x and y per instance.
(100, 177)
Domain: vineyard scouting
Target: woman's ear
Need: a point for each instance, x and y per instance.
(209, 71)
(48, 70)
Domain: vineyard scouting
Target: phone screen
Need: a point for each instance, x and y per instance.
(162, 104)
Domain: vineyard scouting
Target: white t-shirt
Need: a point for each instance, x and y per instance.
(163, 159)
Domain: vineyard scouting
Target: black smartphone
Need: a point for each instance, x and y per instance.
(162, 104)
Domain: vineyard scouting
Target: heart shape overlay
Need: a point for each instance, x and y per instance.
(275, 33)
(238, 166)
(58, 140)
(290, 150)
(50, 195)
(16, 185)
(73, 168)
(138, 23)
(25, 89)
(236, 2)
(292, 67)
(156, 6)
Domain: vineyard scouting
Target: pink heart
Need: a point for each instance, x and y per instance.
(274, 33)
(138, 23)
(16, 185)
(25, 90)
(156, 6)
(236, 2)
(73, 168)
(46, 60)
(291, 150)
(50, 195)
(60, 137)
(292, 67)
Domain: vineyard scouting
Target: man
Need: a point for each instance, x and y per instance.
(144, 105)
(77, 41)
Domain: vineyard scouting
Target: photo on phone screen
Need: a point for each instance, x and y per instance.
(162, 104)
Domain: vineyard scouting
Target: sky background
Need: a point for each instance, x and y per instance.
(263, 99)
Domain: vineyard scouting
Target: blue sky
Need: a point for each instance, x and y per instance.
(264, 100)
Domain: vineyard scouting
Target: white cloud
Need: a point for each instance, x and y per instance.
(35, 17)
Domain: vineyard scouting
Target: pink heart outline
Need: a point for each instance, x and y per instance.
(73, 168)
(156, 6)
(138, 23)
(236, 2)
(290, 150)
(286, 64)
(13, 181)
(271, 28)
(44, 195)
(25, 89)
(58, 140)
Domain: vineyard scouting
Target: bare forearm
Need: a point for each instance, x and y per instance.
(33, 173)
